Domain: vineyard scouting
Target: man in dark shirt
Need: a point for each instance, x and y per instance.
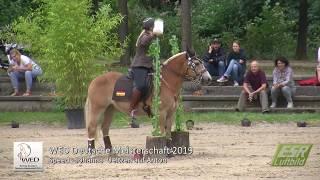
(255, 84)
(214, 59)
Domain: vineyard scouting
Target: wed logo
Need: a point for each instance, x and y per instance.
(28, 156)
(291, 154)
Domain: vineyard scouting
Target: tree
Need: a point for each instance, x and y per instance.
(301, 51)
(186, 24)
(123, 30)
(66, 40)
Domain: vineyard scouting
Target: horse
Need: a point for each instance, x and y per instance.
(173, 72)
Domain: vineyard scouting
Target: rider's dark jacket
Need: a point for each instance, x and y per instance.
(141, 59)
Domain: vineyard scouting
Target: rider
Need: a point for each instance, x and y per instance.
(142, 64)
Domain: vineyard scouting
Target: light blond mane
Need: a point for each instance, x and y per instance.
(173, 57)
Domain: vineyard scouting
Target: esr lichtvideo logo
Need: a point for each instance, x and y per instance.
(28, 156)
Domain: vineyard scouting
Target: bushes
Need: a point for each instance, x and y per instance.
(269, 35)
(66, 40)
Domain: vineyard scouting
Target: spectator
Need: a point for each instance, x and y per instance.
(22, 66)
(214, 60)
(282, 81)
(236, 65)
(254, 86)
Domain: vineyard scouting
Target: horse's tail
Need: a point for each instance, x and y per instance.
(87, 113)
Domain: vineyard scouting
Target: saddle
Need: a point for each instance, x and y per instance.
(123, 91)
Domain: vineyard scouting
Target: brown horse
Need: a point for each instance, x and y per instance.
(174, 70)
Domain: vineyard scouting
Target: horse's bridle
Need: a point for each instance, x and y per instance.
(192, 66)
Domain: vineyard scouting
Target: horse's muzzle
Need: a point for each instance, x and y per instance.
(206, 76)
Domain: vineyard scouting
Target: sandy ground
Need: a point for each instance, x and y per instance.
(220, 152)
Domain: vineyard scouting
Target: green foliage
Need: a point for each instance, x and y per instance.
(173, 41)
(154, 51)
(138, 11)
(314, 27)
(180, 110)
(11, 9)
(269, 35)
(213, 18)
(66, 41)
(7, 35)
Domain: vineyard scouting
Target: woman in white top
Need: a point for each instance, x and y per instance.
(22, 66)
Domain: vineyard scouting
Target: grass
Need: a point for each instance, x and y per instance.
(120, 120)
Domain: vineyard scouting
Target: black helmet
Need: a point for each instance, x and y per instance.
(148, 23)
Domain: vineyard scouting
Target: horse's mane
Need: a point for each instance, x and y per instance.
(173, 57)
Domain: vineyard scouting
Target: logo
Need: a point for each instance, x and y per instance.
(291, 154)
(28, 156)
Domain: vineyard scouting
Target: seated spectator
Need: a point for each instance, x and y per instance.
(236, 65)
(313, 81)
(254, 86)
(22, 66)
(282, 82)
(214, 60)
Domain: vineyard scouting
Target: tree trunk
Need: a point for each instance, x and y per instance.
(301, 52)
(123, 31)
(186, 24)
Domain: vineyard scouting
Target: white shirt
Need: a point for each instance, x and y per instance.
(24, 61)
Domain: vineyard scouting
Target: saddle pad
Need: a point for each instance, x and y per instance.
(123, 89)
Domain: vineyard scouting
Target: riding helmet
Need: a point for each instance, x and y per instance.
(148, 23)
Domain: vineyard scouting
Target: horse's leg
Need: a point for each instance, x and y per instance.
(92, 114)
(108, 114)
(169, 120)
(162, 122)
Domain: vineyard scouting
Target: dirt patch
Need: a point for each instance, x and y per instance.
(219, 152)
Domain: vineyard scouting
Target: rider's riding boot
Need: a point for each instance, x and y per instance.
(136, 94)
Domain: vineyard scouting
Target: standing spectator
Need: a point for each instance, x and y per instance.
(255, 84)
(236, 65)
(214, 60)
(282, 81)
(22, 66)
